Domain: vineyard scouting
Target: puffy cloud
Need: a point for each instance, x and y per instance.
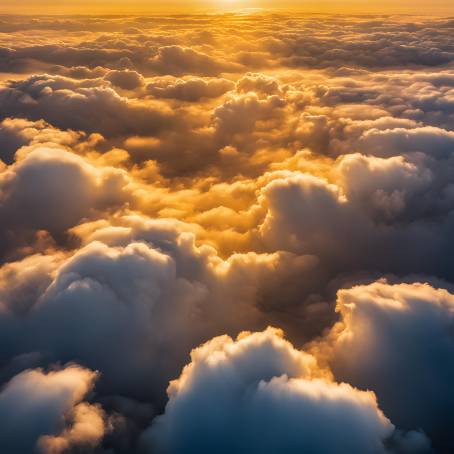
(397, 341)
(178, 61)
(258, 83)
(306, 208)
(89, 290)
(259, 393)
(239, 115)
(190, 90)
(67, 104)
(17, 132)
(22, 282)
(52, 189)
(43, 412)
(352, 235)
(87, 431)
(383, 187)
(126, 79)
(434, 141)
(129, 293)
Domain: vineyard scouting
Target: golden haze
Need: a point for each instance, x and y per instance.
(193, 6)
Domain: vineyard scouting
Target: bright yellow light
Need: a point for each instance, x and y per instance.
(150, 6)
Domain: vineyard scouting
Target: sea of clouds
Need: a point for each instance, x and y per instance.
(226, 234)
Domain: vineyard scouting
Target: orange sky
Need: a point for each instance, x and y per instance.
(326, 6)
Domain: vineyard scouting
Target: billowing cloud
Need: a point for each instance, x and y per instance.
(17, 132)
(439, 141)
(179, 60)
(126, 79)
(43, 412)
(258, 393)
(364, 229)
(52, 189)
(137, 286)
(389, 333)
(190, 90)
(70, 105)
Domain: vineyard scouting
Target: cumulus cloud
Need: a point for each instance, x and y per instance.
(439, 141)
(52, 189)
(241, 114)
(87, 431)
(43, 412)
(384, 187)
(397, 340)
(126, 79)
(128, 294)
(17, 132)
(191, 90)
(258, 83)
(259, 393)
(351, 233)
(68, 104)
(179, 60)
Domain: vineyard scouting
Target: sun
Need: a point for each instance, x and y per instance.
(228, 3)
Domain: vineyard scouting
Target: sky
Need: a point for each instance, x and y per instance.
(226, 233)
(134, 6)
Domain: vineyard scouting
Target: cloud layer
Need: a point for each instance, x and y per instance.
(168, 182)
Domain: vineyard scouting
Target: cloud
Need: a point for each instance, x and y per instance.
(376, 47)
(53, 189)
(258, 393)
(239, 115)
(429, 139)
(353, 233)
(128, 293)
(383, 187)
(397, 341)
(90, 289)
(44, 412)
(68, 104)
(258, 83)
(126, 79)
(190, 90)
(17, 132)
(178, 60)
(22, 282)
(87, 430)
